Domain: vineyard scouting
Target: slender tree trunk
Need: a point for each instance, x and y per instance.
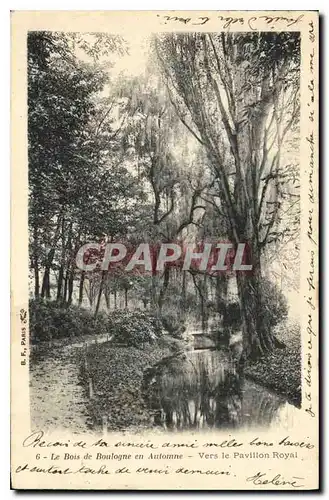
(100, 291)
(60, 282)
(153, 300)
(66, 281)
(69, 265)
(62, 263)
(36, 262)
(70, 286)
(166, 277)
(107, 296)
(36, 278)
(205, 300)
(81, 284)
(90, 293)
(45, 289)
(200, 293)
(183, 295)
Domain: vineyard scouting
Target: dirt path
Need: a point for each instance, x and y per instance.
(57, 398)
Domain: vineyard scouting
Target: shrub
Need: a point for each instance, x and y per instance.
(274, 303)
(134, 328)
(173, 322)
(50, 320)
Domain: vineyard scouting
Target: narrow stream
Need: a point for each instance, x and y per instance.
(202, 389)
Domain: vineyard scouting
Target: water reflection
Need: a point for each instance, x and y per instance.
(203, 389)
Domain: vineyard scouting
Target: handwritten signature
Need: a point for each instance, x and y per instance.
(261, 478)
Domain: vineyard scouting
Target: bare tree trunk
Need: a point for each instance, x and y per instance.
(166, 277)
(200, 291)
(66, 280)
(70, 286)
(100, 291)
(258, 338)
(45, 289)
(205, 300)
(81, 284)
(62, 262)
(183, 293)
(60, 282)
(36, 262)
(153, 292)
(107, 297)
(36, 278)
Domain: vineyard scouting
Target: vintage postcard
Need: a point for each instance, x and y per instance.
(164, 267)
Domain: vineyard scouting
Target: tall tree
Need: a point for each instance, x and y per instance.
(238, 94)
(78, 189)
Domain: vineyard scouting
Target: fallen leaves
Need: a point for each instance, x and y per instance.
(281, 370)
(117, 374)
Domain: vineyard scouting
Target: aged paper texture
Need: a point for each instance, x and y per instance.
(164, 267)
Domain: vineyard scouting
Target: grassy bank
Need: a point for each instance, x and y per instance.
(281, 371)
(117, 375)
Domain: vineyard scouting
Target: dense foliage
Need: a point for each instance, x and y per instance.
(274, 307)
(133, 328)
(49, 320)
(79, 189)
(275, 304)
